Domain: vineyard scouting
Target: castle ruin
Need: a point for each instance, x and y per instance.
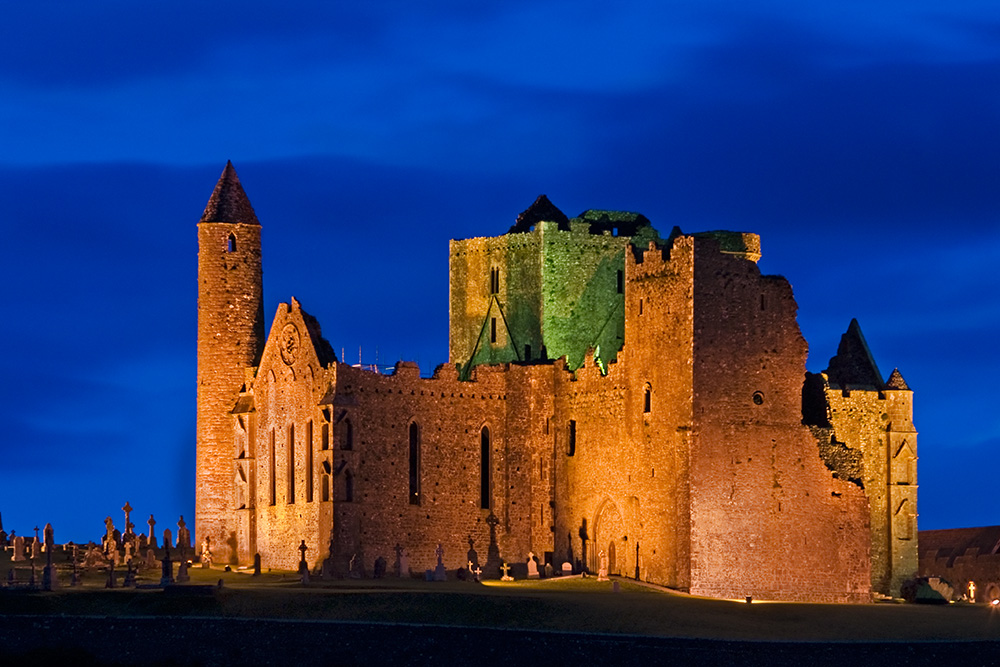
(608, 390)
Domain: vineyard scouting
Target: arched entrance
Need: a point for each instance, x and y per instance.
(609, 534)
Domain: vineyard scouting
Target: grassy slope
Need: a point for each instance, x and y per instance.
(583, 605)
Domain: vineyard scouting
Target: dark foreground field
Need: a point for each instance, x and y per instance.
(274, 621)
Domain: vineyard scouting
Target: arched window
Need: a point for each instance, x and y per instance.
(348, 487)
(414, 464)
(484, 469)
(346, 434)
(231, 243)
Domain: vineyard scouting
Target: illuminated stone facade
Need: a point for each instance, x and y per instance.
(669, 433)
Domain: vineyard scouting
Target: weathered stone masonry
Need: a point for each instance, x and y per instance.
(669, 434)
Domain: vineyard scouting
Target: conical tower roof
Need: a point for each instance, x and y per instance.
(541, 209)
(229, 203)
(896, 381)
(854, 363)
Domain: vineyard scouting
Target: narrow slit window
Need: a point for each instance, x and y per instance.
(527, 353)
(493, 329)
(484, 468)
(309, 461)
(325, 436)
(290, 468)
(571, 445)
(647, 399)
(348, 487)
(414, 464)
(271, 471)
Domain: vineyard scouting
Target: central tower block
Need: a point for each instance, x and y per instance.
(230, 340)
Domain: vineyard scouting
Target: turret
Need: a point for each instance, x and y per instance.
(230, 339)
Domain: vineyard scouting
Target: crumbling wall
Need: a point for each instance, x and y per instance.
(768, 518)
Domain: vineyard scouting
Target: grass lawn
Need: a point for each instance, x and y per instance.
(571, 604)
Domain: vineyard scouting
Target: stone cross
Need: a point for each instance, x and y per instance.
(36, 546)
(109, 527)
(470, 566)
(506, 572)
(440, 553)
(152, 535)
(128, 522)
(478, 572)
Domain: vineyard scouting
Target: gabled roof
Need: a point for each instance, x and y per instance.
(896, 381)
(229, 203)
(854, 364)
(541, 209)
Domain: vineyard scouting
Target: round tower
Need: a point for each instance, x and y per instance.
(230, 340)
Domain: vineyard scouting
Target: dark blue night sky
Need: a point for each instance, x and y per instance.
(861, 140)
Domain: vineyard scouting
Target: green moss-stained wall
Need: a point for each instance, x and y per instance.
(558, 295)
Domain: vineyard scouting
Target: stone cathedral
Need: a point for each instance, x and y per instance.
(609, 390)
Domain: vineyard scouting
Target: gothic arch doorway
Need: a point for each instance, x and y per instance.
(609, 537)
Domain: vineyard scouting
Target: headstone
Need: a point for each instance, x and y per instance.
(167, 538)
(18, 548)
(567, 568)
(404, 564)
(152, 532)
(256, 564)
(142, 543)
(616, 587)
(354, 568)
(36, 546)
(439, 571)
(506, 573)
(493, 560)
(532, 566)
(379, 569)
(182, 572)
(472, 557)
(303, 565)
(129, 533)
(109, 532)
(167, 571)
(75, 578)
(206, 550)
(602, 573)
(183, 534)
(548, 570)
(49, 579)
(129, 577)
(128, 552)
(150, 558)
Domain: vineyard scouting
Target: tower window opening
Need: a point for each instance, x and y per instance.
(494, 281)
(571, 444)
(527, 353)
(484, 468)
(647, 400)
(493, 329)
(414, 464)
(231, 243)
(640, 306)
(347, 435)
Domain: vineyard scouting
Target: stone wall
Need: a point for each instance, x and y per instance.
(768, 518)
